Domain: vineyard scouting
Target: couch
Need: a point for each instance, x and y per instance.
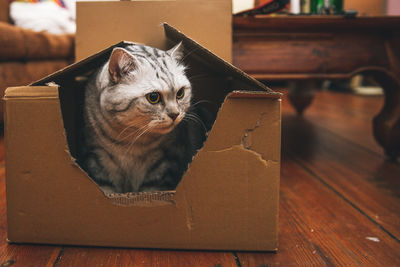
(26, 56)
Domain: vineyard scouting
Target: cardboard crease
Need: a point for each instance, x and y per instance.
(246, 139)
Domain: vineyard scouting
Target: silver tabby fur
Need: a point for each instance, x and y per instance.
(130, 144)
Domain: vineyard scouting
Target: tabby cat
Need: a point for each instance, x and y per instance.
(140, 130)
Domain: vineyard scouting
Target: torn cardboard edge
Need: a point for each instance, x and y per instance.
(138, 198)
(142, 198)
(167, 197)
(237, 79)
(246, 141)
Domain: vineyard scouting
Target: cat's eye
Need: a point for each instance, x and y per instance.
(180, 93)
(153, 97)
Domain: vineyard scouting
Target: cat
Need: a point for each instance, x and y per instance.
(140, 128)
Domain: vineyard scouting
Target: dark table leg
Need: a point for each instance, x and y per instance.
(386, 124)
(301, 94)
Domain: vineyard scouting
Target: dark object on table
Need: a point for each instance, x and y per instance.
(351, 13)
(266, 8)
(327, 7)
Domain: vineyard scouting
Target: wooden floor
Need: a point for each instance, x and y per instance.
(339, 202)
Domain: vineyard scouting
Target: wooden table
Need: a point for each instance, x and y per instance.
(307, 48)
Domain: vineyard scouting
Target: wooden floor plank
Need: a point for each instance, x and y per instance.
(318, 228)
(360, 175)
(86, 257)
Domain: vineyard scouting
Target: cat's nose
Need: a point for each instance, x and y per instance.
(173, 115)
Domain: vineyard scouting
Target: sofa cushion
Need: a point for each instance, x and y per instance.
(4, 9)
(22, 45)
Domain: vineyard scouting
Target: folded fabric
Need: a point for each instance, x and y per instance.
(43, 16)
(21, 44)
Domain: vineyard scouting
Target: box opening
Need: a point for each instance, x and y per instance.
(212, 79)
(208, 89)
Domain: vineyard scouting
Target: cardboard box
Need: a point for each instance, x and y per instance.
(208, 22)
(227, 200)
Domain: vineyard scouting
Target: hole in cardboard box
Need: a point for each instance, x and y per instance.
(209, 89)
(212, 79)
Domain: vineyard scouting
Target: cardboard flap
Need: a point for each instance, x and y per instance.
(31, 92)
(236, 78)
(253, 94)
(239, 79)
(81, 67)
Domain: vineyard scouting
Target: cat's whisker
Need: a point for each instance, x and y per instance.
(188, 119)
(124, 130)
(194, 77)
(135, 138)
(188, 54)
(147, 128)
(138, 127)
(201, 102)
(197, 119)
(137, 124)
(136, 132)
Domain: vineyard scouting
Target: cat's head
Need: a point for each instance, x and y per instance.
(148, 88)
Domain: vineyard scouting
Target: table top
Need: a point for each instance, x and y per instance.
(315, 47)
(339, 201)
(314, 22)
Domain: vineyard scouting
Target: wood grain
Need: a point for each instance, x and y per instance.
(311, 46)
(307, 53)
(319, 228)
(316, 23)
(138, 257)
(359, 175)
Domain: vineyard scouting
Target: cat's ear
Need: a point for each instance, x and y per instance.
(176, 52)
(120, 64)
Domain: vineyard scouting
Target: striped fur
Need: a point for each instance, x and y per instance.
(129, 144)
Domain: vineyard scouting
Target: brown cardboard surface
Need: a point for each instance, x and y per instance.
(50, 200)
(101, 24)
(235, 175)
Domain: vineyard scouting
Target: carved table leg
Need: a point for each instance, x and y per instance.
(386, 124)
(301, 94)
